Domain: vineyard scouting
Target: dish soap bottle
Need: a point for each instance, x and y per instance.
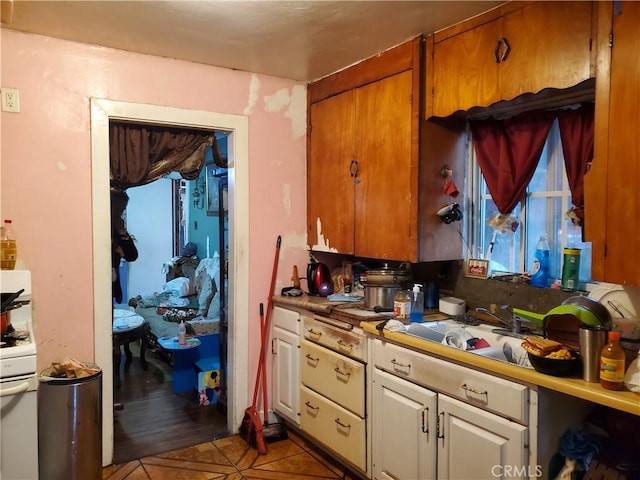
(182, 333)
(8, 247)
(417, 304)
(540, 269)
(402, 305)
(612, 363)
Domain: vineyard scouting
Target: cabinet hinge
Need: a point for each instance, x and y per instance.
(605, 250)
(611, 40)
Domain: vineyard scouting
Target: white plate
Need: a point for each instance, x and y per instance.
(121, 313)
(627, 299)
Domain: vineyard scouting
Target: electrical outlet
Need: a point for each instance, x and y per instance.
(10, 100)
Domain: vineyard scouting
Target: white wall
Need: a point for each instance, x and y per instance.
(149, 220)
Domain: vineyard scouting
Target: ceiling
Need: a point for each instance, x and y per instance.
(300, 40)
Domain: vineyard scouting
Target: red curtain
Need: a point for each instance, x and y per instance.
(576, 134)
(508, 152)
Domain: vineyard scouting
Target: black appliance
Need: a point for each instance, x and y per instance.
(317, 274)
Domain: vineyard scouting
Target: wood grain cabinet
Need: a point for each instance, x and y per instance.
(363, 160)
(520, 47)
(612, 186)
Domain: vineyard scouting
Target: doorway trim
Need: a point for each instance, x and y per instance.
(103, 110)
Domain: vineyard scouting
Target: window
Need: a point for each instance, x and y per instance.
(541, 211)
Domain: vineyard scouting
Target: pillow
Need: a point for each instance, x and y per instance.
(178, 287)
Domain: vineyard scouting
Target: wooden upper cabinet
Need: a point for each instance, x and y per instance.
(363, 153)
(612, 186)
(330, 196)
(521, 47)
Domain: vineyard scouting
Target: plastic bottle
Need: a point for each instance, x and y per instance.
(540, 270)
(182, 333)
(402, 305)
(612, 363)
(8, 246)
(417, 304)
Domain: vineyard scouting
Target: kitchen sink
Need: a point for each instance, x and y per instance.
(481, 339)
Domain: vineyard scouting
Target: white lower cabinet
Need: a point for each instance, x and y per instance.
(285, 349)
(404, 429)
(475, 444)
(424, 433)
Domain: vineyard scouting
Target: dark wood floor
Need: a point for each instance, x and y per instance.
(154, 419)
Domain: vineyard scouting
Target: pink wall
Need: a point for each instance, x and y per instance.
(46, 168)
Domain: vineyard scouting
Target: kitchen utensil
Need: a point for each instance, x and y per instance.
(592, 341)
(563, 328)
(317, 275)
(8, 298)
(379, 296)
(594, 306)
(555, 366)
(615, 308)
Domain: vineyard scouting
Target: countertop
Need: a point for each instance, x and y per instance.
(624, 400)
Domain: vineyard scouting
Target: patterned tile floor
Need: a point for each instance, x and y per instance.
(232, 458)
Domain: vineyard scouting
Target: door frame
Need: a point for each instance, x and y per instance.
(102, 110)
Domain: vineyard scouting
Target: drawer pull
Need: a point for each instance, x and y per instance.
(346, 346)
(425, 420)
(312, 332)
(473, 390)
(343, 374)
(401, 365)
(340, 424)
(311, 359)
(311, 407)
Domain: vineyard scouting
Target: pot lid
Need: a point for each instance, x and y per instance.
(387, 270)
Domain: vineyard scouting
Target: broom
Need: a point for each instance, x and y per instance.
(272, 432)
(251, 426)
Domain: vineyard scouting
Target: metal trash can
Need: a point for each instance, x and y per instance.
(70, 427)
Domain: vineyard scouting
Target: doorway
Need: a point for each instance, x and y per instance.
(102, 111)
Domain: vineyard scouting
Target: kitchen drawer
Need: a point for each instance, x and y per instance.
(342, 341)
(335, 376)
(286, 319)
(485, 391)
(333, 426)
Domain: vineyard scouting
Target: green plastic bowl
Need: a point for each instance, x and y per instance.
(585, 315)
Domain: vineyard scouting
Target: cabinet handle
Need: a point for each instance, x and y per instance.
(425, 420)
(501, 53)
(473, 390)
(311, 359)
(440, 426)
(311, 407)
(339, 423)
(344, 374)
(401, 365)
(345, 346)
(312, 332)
(353, 169)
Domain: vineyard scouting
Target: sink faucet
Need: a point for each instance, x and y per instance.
(515, 325)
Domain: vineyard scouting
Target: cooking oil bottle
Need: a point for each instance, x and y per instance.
(8, 246)
(612, 363)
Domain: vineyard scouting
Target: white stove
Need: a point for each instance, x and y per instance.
(18, 384)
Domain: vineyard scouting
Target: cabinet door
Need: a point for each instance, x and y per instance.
(286, 364)
(404, 429)
(550, 47)
(386, 205)
(465, 72)
(330, 202)
(612, 201)
(475, 444)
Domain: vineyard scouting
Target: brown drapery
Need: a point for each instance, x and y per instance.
(508, 152)
(141, 154)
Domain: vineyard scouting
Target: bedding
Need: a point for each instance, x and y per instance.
(164, 310)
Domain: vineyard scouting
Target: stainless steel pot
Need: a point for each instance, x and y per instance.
(388, 277)
(379, 296)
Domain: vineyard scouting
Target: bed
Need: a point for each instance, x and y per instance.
(190, 294)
